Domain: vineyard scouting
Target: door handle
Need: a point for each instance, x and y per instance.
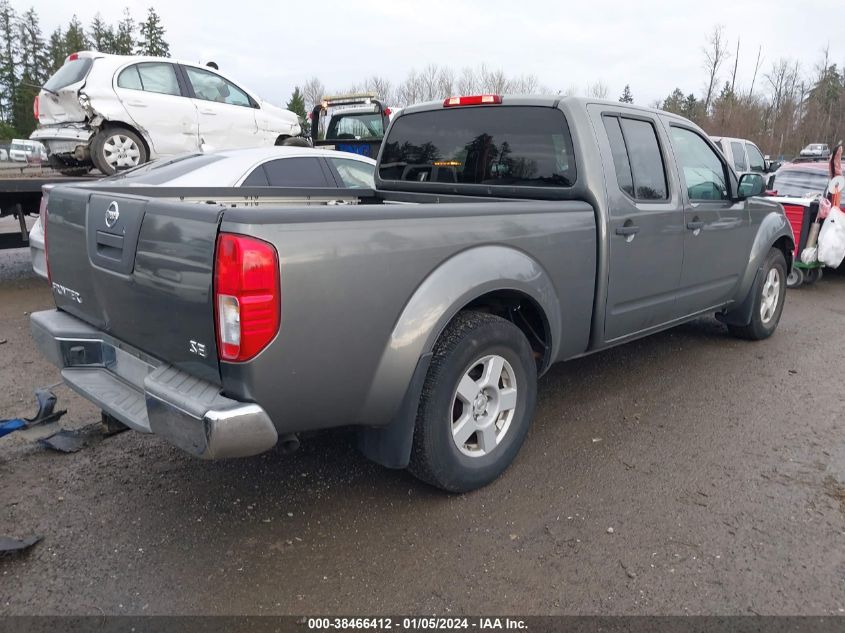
(210, 112)
(627, 230)
(137, 104)
(695, 225)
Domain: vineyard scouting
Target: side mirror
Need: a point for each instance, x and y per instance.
(750, 185)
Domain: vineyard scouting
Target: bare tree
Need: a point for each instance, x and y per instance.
(313, 91)
(381, 87)
(756, 70)
(445, 82)
(468, 82)
(715, 54)
(597, 90)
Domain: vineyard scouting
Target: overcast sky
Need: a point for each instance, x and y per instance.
(654, 46)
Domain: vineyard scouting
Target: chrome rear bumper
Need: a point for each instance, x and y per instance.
(148, 395)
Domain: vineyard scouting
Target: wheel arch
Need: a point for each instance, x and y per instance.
(492, 278)
(774, 232)
(111, 124)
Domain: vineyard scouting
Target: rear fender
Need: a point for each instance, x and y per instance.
(774, 227)
(449, 288)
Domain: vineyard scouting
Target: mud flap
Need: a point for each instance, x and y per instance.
(741, 314)
(390, 445)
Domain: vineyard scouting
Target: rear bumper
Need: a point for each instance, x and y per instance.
(150, 396)
(65, 138)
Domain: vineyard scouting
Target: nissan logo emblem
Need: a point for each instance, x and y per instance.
(112, 214)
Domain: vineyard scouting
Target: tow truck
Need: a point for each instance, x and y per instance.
(356, 124)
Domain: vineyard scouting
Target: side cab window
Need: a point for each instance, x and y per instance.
(755, 158)
(702, 169)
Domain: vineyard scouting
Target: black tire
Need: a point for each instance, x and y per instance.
(812, 275)
(460, 350)
(795, 277)
(760, 328)
(104, 136)
(293, 141)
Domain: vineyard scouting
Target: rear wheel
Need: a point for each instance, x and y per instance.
(769, 295)
(117, 148)
(476, 405)
(812, 275)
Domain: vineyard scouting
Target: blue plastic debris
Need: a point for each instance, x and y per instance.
(15, 424)
(46, 403)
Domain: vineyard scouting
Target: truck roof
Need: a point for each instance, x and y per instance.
(550, 101)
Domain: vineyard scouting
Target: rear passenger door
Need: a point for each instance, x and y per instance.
(645, 224)
(153, 96)
(717, 230)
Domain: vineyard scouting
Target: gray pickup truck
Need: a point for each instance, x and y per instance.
(504, 234)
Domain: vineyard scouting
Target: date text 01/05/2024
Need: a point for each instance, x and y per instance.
(415, 623)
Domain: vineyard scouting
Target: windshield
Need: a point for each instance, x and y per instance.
(488, 145)
(362, 125)
(159, 172)
(72, 72)
(799, 183)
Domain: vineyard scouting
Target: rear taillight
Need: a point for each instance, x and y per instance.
(72, 57)
(247, 296)
(35, 108)
(42, 216)
(473, 100)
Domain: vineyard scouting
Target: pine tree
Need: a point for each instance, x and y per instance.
(9, 58)
(152, 41)
(296, 104)
(34, 60)
(124, 39)
(674, 102)
(56, 50)
(75, 38)
(626, 97)
(101, 35)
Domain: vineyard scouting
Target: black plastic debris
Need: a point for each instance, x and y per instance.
(10, 544)
(64, 442)
(46, 404)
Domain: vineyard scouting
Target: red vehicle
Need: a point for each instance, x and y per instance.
(798, 186)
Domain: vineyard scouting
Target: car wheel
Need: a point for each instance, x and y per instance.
(476, 405)
(812, 275)
(769, 295)
(293, 141)
(795, 277)
(116, 148)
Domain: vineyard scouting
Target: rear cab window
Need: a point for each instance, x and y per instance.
(499, 145)
(70, 73)
(637, 159)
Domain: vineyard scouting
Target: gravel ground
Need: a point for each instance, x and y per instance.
(685, 473)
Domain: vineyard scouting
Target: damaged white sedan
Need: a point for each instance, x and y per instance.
(114, 112)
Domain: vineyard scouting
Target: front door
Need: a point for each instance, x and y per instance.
(717, 235)
(645, 224)
(226, 113)
(152, 96)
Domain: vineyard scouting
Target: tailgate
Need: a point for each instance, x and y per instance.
(138, 269)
